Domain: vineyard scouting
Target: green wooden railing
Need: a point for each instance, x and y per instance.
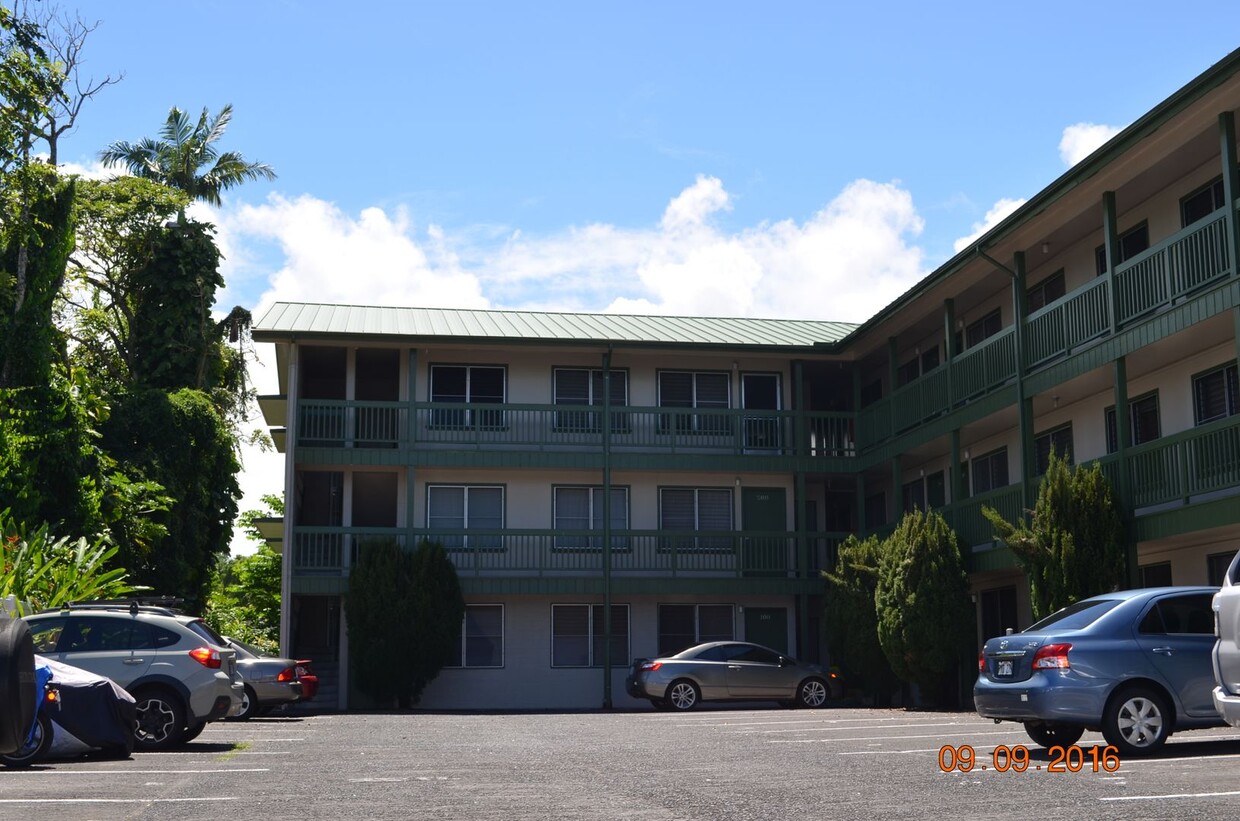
(1184, 262)
(1176, 469)
(1076, 318)
(513, 552)
(341, 423)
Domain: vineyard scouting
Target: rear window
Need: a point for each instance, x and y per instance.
(207, 633)
(1075, 616)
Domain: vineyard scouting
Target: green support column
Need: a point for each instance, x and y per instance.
(861, 523)
(1123, 436)
(1231, 186)
(953, 478)
(802, 599)
(607, 530)
(1110, 233)
(410, 444)
(897, 495)
(949, 346)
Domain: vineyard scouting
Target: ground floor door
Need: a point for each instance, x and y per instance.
(315, 635)
(767, 626)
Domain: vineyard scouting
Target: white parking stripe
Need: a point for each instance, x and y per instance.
(44, 773)
(881, 737)
(115, 800)
(884, 727)
(1170, 795)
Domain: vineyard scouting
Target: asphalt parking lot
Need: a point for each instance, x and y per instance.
(723, 763)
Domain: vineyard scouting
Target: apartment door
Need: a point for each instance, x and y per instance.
(760, 392)
(764, 522)
(767, 626)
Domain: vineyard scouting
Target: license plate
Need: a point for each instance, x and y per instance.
(1003, 668)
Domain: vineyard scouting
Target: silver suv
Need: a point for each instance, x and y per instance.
(1227, 648)
(180, 672)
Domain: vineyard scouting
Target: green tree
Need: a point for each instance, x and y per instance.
(925, 618)
(437, 610)
(378, 614)
(41, 570)
(120, 226)
(851, 619)
(244, 602)
(185, 156)
(179, 440)
(1073, 546)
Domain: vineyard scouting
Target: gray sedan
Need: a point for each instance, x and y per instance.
(270, 681)
(1134, 664)
(730, 671)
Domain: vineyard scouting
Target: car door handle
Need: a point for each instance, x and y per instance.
(1166, 651)
(734, 667)
(134, 661)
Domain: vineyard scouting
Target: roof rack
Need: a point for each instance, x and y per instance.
(161, 605)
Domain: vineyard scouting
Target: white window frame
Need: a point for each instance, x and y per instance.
(503, 639)
(593, 524)
(595, 633)
(478, 542)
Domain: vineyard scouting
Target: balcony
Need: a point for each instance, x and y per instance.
(340, 423)
(576, 554)
(1185, 263)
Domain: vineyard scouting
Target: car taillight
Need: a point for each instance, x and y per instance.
(650, 666)
(1052, 657)
(287, 674)
(981, 661)
(206, 657)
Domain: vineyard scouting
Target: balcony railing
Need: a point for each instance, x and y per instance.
(573, 553)
(339, 423)
(1186, 467)
(1171, 269)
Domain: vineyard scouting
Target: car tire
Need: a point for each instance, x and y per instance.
(812, 693)
(1049, 735)
(160, 719)
(35, 748)
(18, 700)
(193, 731)
(249, 705)
(683, 695)
(1136, 721)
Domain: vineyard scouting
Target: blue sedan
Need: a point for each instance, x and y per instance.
(1134, 665)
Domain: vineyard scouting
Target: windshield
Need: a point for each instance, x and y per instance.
(1074, 616)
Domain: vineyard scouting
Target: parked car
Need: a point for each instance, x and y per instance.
(1227, 647)
(80, 713)
(179, 671)
(1134, 664)
(270, 681)
(730, 671)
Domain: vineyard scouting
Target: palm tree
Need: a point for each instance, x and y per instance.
(182, 149)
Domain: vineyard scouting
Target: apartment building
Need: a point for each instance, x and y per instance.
(618, 486)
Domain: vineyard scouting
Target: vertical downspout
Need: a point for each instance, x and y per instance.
(607, 660)
(1024, 404)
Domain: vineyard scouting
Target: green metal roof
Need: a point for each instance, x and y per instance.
(286, 320)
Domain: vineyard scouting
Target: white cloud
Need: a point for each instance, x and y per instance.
(1083, 139)
(843, 263)
(998, 212)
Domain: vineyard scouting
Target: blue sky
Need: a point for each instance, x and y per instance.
(775, 159)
